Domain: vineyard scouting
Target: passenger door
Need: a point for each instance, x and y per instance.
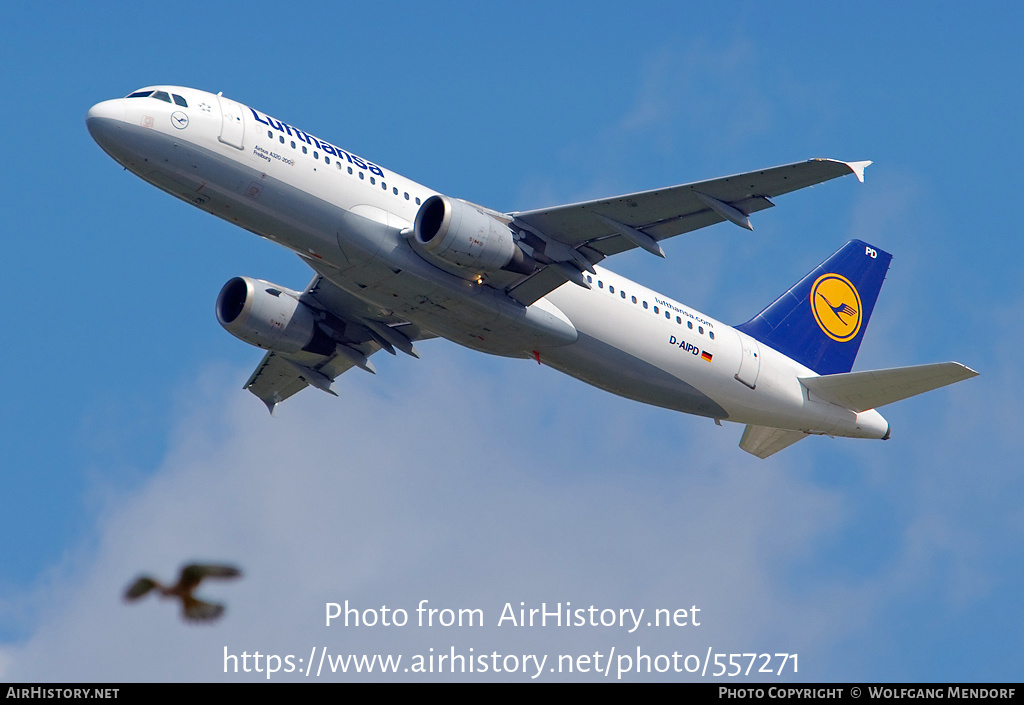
(232, 126)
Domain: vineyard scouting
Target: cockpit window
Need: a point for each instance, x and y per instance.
(160, 95)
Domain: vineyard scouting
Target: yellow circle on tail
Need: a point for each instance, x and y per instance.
(836, 306)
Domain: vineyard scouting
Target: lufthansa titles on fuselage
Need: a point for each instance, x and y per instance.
(665, 303)
(309, 139)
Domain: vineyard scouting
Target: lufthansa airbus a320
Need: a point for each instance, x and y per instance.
(395, 263)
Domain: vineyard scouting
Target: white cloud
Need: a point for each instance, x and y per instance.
(440, 481)
(472, 482)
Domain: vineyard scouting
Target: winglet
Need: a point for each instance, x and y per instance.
(270, 401)
(858, 169)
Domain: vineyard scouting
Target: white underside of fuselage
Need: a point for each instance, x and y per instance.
(615, 336)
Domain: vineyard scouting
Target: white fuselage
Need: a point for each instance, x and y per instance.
(346, 216)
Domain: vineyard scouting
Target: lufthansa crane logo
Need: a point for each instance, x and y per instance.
(836, 306)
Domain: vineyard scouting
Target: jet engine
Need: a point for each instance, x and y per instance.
(270, 317)
(461, 234)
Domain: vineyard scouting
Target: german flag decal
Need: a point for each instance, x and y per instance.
(705, 356)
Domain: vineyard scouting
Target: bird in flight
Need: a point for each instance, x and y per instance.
(193, 609)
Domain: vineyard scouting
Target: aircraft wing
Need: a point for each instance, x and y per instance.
(583, 234)
(359, 330)
(277, 377)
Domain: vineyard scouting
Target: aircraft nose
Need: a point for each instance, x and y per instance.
(104, 119)
(107, 110)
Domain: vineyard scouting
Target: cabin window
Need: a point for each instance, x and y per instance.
(361, 174)
(304, 150)
(600, 284)
(711, 334)
(395, 191)
(611, 289)
(645, 304)
(634, 298)
(622, 294)
(668, 315)
(281, 137)
(689, 324)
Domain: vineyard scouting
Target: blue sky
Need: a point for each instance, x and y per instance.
(129, 446)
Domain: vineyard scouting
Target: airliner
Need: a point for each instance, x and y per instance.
(396, 263)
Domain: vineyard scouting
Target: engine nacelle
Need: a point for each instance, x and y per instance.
(270, 317)
(462, 235)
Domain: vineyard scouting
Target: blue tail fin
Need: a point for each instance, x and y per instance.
(821, 320)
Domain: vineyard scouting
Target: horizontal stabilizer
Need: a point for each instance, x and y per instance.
(861, 391)
(763, 441)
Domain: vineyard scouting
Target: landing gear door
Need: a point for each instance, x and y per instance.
(750, 361)
(232, 126)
